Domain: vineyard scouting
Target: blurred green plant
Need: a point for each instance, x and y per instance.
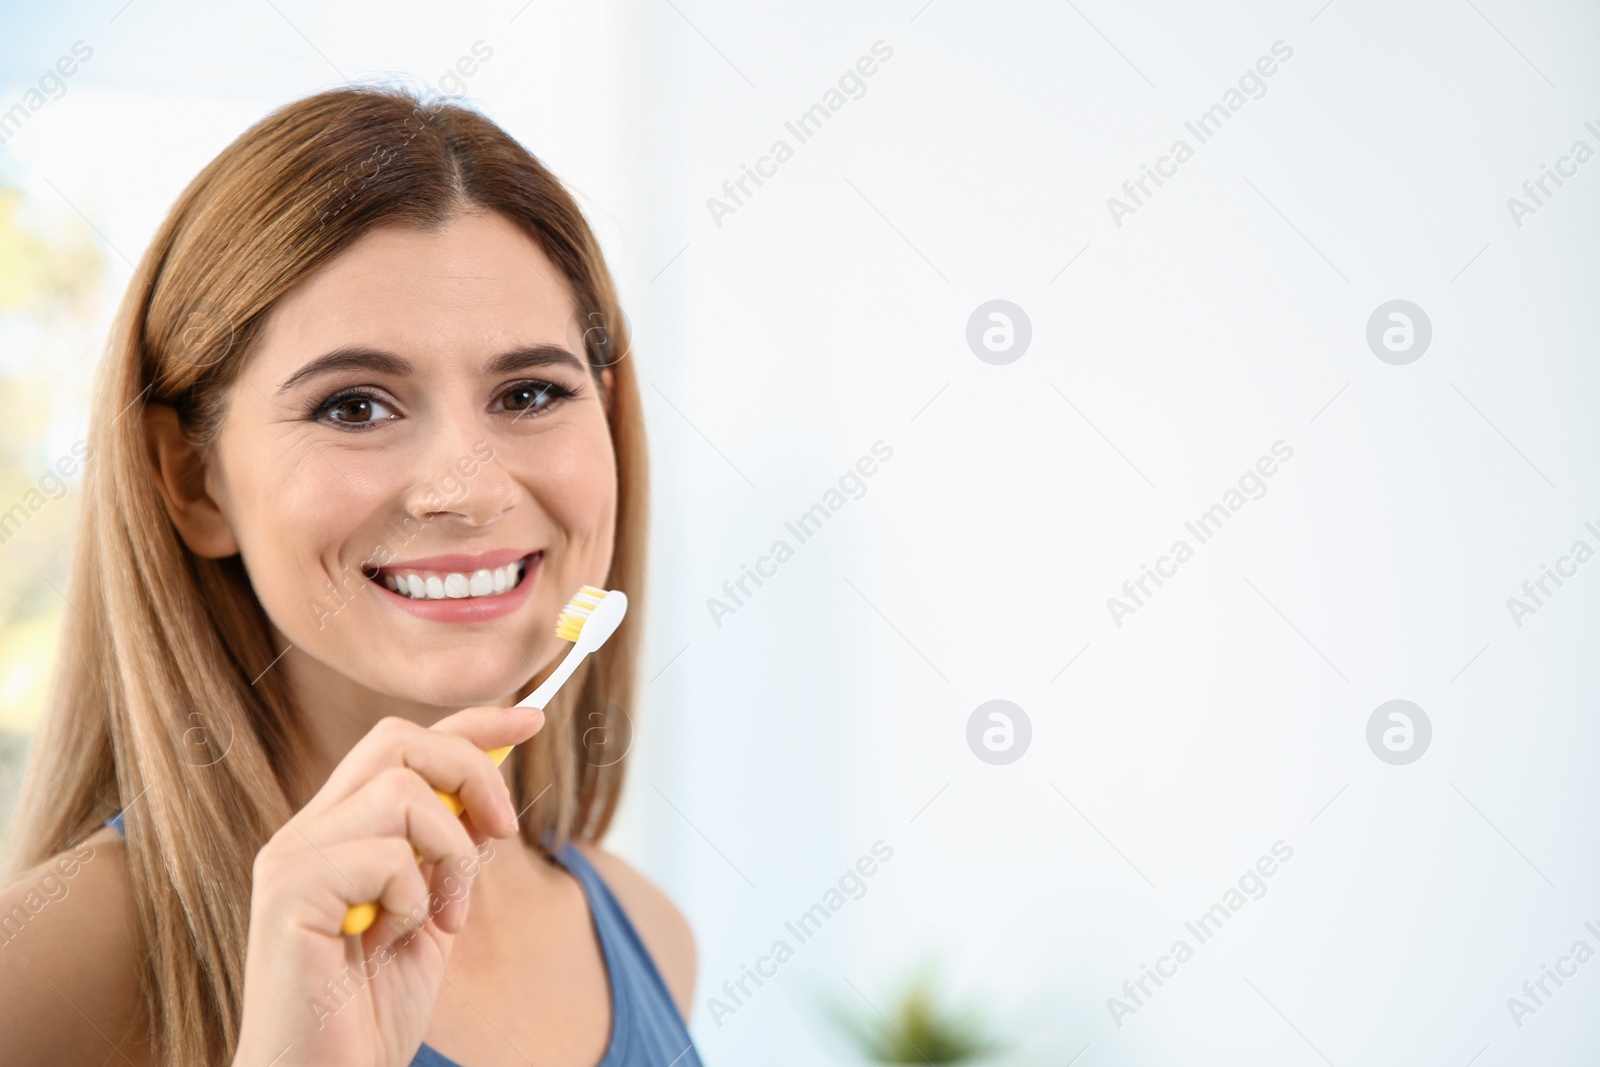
(45, 259)
(917, 1028)
(53, 289)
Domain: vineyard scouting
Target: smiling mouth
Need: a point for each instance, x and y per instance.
(416, 583)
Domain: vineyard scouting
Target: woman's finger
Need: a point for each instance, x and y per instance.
(451, 756)
(381, 869)
(397, 803)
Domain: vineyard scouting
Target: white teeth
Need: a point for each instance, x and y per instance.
(424, 585)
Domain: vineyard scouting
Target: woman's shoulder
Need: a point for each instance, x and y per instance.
(69, 959)
(661, 925)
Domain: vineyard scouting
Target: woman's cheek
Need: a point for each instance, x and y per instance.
(581, 496)
(575, 480)
(292, 552)
(602, 483)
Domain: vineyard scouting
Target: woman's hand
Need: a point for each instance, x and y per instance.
(313, 996)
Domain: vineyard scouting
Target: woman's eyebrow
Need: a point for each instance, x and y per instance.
(533, 356)
(349, 358)
(371, 359)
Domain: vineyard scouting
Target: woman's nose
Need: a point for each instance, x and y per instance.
(465, 481)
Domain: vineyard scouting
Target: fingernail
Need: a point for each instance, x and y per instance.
(508, 809)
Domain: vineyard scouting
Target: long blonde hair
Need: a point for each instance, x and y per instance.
(158, 642)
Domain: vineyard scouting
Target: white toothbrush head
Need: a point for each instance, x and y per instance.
(591, 617)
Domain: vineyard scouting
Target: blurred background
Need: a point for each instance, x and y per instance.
(1284, 310)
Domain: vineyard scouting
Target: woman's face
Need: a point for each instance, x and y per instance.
(416, 467)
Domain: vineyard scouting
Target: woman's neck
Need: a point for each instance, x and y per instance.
(334, 713)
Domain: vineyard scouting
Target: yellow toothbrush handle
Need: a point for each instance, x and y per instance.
(358, 918)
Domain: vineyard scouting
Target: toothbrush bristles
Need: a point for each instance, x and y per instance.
(577, 612)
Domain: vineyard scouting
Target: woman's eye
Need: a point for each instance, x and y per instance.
(355, 410)
(532, 397)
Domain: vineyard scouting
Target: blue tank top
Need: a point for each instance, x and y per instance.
(646, 1028)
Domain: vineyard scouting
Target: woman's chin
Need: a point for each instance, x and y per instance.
(450, 694)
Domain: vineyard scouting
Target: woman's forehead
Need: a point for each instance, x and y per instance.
(478, 283)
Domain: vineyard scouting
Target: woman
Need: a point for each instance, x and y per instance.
(364, 426)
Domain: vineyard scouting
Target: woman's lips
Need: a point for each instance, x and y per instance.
(457, 609)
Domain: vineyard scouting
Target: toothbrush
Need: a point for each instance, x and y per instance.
(588, 621)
